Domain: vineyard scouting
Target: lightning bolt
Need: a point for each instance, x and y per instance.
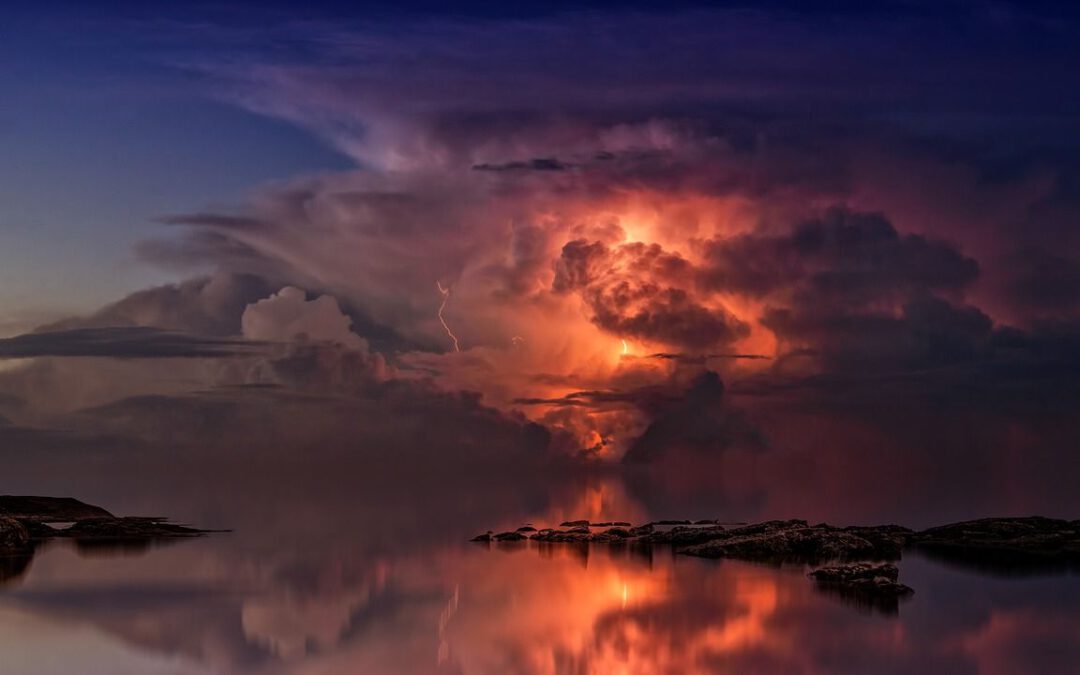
(625, 347)
(445, 292)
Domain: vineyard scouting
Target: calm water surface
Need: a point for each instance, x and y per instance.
(333, 576)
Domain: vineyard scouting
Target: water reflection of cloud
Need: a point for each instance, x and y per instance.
(338, 563)
(227, 605)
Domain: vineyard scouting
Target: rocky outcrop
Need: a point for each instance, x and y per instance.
(14, 537)
(864, 579)
(39, 531)
(27, 518)
(878, 578)
(1021, 540)
(25, 525)
(796, 541)
(888, 540)
(871, 586)
(579, 535)
(127, 529)
(49, 509)
(1032, 540)
(611, 535)
(684, 535)
(641, 530)
(16, 549)
(776, 540)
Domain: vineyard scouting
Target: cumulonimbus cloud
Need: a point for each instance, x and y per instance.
(590, 205)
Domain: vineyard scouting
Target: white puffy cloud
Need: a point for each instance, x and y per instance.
(288, 315)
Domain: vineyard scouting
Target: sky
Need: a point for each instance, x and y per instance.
(760, 240)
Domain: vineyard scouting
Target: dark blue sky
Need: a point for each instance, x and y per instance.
(101, 136)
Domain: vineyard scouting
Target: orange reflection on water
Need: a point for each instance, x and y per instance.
(539, 611)
(548, 610)
(757, 597)
(597, 501)
(522, 609)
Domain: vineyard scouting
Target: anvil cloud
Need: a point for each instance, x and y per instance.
(880, 208)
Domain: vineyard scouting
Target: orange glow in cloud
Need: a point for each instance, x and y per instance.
(568, 349)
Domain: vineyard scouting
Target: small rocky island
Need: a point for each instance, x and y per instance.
(28, 522)
(853, 562)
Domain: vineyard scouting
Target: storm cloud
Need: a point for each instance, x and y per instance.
(588, 221)
(130, 342)
(628, 293)
(843, 259)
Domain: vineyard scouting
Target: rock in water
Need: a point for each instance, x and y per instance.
(858, 573)
(872, 586)
(127, 529)
(888, 540)
(796, 541)
(16, 549)
(684, 535)
(640, 530)
(574, 535)
(611, 535)
(49, 509)
(24, 526)
(1011, 543)
(39, 531)
(14, 539)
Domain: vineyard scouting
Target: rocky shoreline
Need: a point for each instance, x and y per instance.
(852, 561)
(28, 522)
